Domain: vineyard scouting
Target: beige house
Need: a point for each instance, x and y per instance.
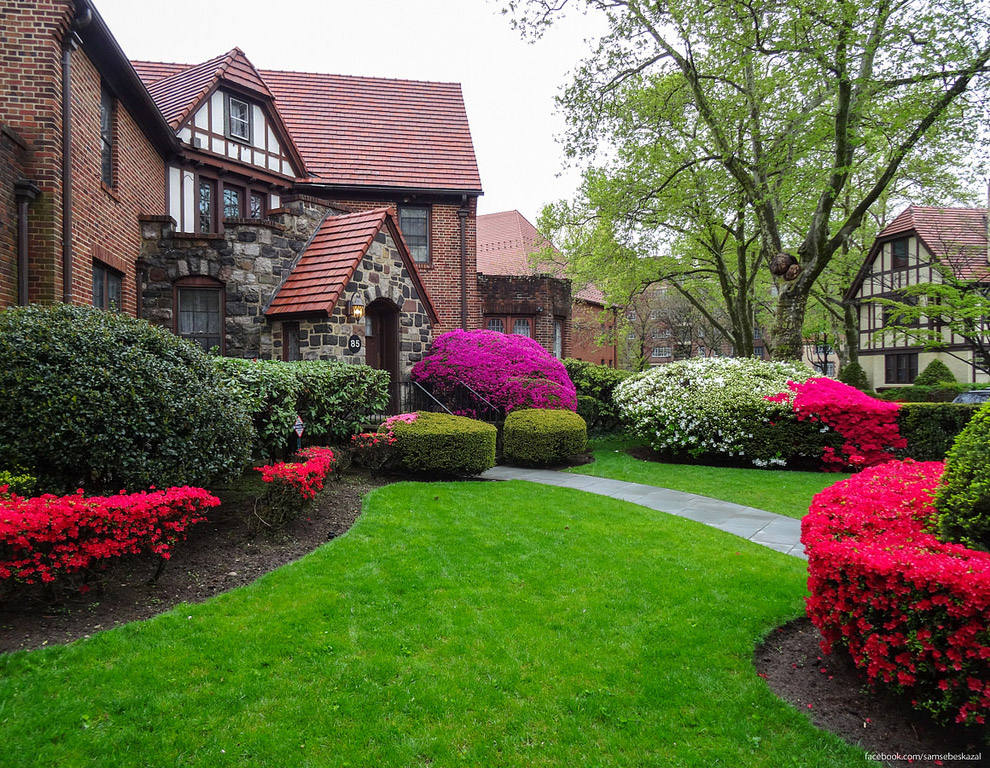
(905, 253)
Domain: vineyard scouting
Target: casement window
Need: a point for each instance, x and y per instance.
(207, 205)
(107, 287)
(758, 350)
(899, 254)
(238, 119)
(199, 311)
(558, 339)
(700, 351)
(414, 221)
(496, 324)
(519, 326)
(106, 136)
(257, 207)
(655, 314)
(757, 333)
(823, 350)
(662, 352)
(522, 326)
(233, 197)
(631, 336)
(900, 368)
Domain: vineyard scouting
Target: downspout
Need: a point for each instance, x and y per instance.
(69, 44)
(462, 212)
(25, 192)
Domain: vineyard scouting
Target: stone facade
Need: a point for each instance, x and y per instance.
(249, 261)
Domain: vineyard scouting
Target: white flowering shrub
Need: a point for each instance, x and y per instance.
(717, 406)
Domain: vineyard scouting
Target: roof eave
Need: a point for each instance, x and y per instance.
(380, 188)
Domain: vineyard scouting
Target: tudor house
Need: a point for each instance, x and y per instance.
(261, 213)
(904, 254)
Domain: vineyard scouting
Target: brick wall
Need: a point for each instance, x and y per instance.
(442, 275)
(30, 103)
(589, 322)
(105, 220)
(523, 296)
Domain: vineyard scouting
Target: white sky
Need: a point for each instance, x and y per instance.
(508, 85)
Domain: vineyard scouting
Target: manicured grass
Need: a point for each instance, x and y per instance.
(781, 491)
(459, 624)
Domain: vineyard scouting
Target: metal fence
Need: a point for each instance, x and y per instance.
(457, 399)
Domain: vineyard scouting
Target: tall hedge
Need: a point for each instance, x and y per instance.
(963, 501)
(595, 385)
(102, 401)
(931, 428)
(333, 399)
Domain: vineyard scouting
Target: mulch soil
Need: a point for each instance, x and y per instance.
(221, 554)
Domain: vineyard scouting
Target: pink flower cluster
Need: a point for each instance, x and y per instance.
(913, 611)
(47, 537)
(868, 425)
(305, 476)
(509, 371)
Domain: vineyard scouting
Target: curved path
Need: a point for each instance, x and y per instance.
(777, 532)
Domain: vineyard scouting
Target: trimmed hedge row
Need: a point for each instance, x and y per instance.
(542, 438)
(333, 399)
(912, 611)
(441, 444)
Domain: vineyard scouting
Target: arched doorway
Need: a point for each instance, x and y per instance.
(382, 345)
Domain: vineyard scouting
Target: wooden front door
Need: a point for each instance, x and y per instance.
(382, 344)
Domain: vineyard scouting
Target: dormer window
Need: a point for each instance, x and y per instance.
(238, 119)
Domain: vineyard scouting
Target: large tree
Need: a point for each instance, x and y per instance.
(805, 110)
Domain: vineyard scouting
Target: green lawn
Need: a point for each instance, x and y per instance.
(457, 624)
(781, 491)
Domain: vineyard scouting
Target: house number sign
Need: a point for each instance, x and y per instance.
(354, 344)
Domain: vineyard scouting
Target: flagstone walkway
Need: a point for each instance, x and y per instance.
(777, 532)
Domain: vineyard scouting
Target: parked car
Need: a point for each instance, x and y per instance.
(973, 396)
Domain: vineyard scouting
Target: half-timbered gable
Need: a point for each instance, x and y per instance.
(238, 157)
(911, 250)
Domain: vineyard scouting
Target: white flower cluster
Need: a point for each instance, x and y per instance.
(707, 405)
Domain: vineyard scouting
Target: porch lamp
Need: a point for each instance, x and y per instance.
(355, 307)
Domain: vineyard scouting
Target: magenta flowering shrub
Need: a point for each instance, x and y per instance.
(912, 611)
(867, 425)
(511, 372)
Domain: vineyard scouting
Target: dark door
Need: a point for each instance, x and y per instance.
(382, 344)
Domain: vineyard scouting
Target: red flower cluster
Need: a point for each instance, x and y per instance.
(868, 425)
(306, 476)
(50, 536)
(913, 611)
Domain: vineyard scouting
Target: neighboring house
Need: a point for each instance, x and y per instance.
(903, 255)
(535, 301)
(262, 213)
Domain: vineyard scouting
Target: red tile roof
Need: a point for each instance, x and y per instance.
(375, 132)
(326, 265)
(505, 242)
(355, 131)
(955, 236)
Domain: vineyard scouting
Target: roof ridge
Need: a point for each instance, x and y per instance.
(376, 78)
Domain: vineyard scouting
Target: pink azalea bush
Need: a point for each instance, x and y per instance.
(912, 611)
(509, 371)
(867, 425)
(374, 450)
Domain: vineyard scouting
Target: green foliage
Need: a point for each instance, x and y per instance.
(332, 398)
(854, 375)
(441, 444)
(595, 385)
(102, 401)
(931, 428)
(18, 482)
(936, 372)
(541, 438)
(963, 501)
(939, 393)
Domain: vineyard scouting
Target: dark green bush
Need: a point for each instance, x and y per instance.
(854, 375)
(963, 501)
(441, 444)
(333, 399)
(541, 438)
(931, 428)
(594, 385)
(936, 372)
(938, 393)
(102, 401)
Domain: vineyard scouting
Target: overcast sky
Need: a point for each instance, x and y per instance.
(509, 85)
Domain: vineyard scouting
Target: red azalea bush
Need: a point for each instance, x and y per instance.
(868, 426)
(292, 483)
(509, 371)
(375, 449)
(49, 537)
(914, 612)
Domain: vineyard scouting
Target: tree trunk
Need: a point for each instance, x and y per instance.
(851, 329)
(788, 336)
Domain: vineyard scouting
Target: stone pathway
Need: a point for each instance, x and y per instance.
(777, 532)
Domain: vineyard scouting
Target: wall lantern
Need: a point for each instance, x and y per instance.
(355, 307)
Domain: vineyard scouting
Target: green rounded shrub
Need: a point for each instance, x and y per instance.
(854, 375)
(541, 438)
(963, 501)
(441, 444)
(936, 372)
(595, 385)
(101, 401)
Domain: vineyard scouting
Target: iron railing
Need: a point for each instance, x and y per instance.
(457, 398)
